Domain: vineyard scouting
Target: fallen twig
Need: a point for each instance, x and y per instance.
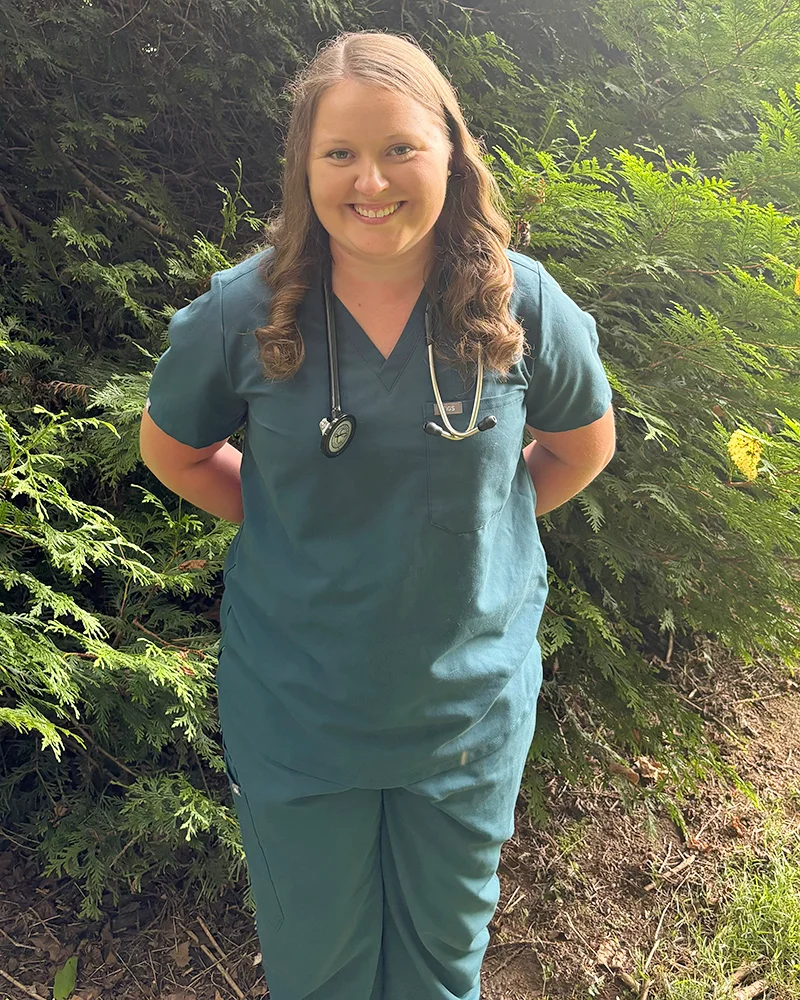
(753, 990)
(513, 901)
(519, 948)
(687, 861)
(209, 954)
(763, 697)
(496, 945)
(658, 933)
(706, 714)
(17, 944)
(210, 968)
(19, 985)
(741, 973)
(211, 937)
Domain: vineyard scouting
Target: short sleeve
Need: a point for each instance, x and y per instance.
(568, 386)
(190, 395)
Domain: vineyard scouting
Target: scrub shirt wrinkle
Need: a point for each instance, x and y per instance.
(381, 608)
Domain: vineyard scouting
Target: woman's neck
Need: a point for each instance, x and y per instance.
(409, 269)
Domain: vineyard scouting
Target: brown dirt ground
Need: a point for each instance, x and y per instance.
(580, 899)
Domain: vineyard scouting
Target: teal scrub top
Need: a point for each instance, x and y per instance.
(381, 608)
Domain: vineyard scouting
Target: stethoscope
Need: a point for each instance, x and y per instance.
(338, 429)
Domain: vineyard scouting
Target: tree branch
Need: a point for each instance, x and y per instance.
(11, 222)
(106, 199)
(721, 69)
(13, 217)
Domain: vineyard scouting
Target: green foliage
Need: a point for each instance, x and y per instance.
(756, 922)
(133, 169)
(692, 286)
(770, 170)
(689, 74)
(82, 673)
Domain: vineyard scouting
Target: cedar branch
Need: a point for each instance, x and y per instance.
(721, 69)
(11, 222)
(106, 199)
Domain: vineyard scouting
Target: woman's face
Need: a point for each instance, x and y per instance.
(375, 149)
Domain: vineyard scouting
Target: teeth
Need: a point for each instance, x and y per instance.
(370, 214)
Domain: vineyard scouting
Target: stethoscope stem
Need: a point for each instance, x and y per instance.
(333, 349)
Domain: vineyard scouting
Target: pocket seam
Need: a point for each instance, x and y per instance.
(239, 794)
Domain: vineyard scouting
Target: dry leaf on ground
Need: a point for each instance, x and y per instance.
(181, 954)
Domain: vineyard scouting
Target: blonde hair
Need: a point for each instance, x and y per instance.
(470, 280)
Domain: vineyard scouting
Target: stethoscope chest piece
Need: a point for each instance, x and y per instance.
(337, 433)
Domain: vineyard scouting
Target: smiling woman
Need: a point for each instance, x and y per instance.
(379, 668)
(395, 163)
(374, 123)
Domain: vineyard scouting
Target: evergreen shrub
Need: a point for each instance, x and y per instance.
(119, 135)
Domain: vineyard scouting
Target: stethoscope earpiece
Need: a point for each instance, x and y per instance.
(432, 428)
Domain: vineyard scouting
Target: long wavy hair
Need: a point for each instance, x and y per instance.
(469, 281)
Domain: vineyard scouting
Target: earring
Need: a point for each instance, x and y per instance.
(449, 173)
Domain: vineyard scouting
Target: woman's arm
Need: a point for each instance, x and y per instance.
(207, 477)
(562, 463)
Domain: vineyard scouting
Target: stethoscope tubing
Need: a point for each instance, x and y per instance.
(450, 432)
(333, 348)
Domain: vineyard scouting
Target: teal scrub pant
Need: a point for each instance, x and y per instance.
(375, 894)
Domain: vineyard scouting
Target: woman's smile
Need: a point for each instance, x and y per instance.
(376, 216)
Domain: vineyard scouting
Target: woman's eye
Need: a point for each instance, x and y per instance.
(335, 153)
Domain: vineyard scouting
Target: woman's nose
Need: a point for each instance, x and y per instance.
(370, 180)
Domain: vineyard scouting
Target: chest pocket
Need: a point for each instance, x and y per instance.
(469, 481)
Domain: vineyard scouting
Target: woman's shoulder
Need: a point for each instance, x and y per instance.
(528, 277)
(244, 292)
(525, 267)
(535, 289)
(246, 272)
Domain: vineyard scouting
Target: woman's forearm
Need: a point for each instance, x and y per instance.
(555, 482)
(213, 485)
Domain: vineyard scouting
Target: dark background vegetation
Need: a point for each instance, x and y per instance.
(648, 150)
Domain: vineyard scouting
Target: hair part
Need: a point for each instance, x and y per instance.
(470, 279)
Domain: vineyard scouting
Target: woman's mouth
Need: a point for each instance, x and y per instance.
(377, 216)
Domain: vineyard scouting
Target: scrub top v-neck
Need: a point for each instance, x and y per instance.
(380, 608)
(386, 369)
